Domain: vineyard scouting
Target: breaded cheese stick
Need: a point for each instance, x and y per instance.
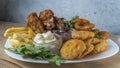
(83, 35)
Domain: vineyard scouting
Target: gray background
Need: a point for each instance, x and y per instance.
(105, 14)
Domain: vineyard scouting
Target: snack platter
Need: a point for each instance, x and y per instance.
(50, 39)
(112, 50)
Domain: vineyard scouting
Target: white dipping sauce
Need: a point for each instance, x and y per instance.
(45, 39)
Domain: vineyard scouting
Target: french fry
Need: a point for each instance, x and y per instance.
(30, 32)
(19, 36)
(16, 29)
(10, 31)
(8, 34)
(16, 43)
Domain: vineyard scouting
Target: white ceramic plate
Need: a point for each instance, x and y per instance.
(111, 50)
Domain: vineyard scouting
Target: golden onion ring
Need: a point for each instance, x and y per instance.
(79, 26)
(82, 24)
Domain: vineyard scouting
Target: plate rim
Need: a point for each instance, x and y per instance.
(65, 61)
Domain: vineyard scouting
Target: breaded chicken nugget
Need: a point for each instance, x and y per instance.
(96, 31)
(83, 35)
(93, 41)
(72, 48)
(89, 48)
(104, 34)
(100, 47)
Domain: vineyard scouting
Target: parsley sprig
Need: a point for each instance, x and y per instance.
(68, 23)
(37, 53)
(98, 36)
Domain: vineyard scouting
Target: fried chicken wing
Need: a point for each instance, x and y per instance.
(58, 22)
(34, 23)
(46, 14)
(49, 24)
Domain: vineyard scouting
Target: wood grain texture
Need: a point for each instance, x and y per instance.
(112, 62)
(7, 64)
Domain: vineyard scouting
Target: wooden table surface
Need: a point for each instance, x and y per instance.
(7, 62)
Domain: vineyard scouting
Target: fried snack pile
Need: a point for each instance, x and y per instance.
(85, 45)
(85, 41)
(18, 36)
(82, 41)
(46, 21)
